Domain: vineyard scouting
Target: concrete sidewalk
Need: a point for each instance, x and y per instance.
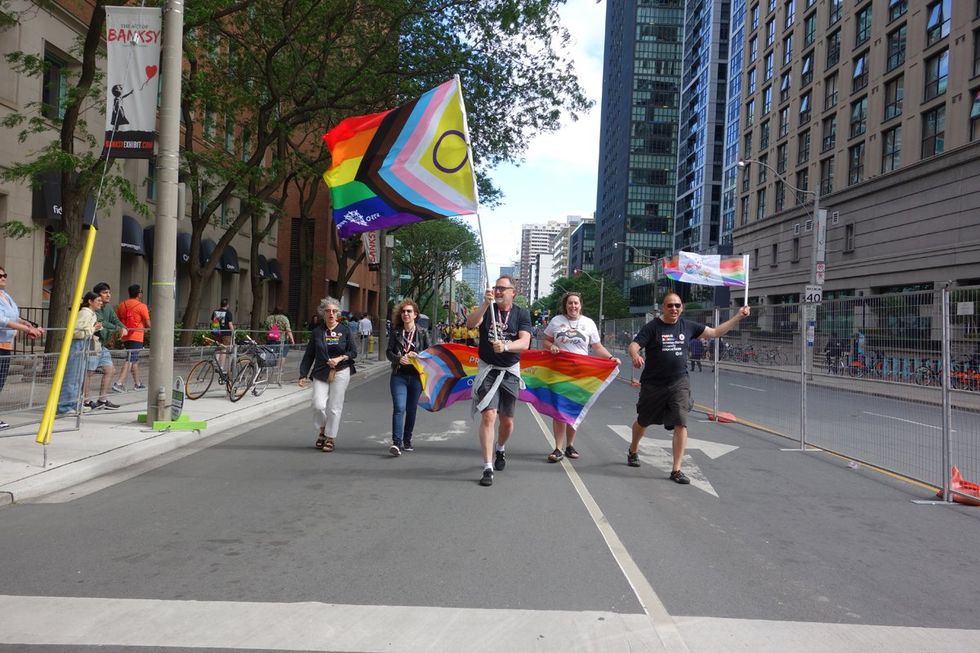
(108, 441)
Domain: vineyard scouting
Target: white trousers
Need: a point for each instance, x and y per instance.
(328, 403)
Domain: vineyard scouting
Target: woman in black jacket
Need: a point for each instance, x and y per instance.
(405, 341)
(329, 361)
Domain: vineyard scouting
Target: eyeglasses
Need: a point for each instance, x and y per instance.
(407, 310)
(672, 305)
(331, 310)
(3, 275)
(503, 288)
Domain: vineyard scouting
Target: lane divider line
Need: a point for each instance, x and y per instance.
(663, 623)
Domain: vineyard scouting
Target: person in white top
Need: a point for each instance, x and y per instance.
(571, 331)
(364, 328)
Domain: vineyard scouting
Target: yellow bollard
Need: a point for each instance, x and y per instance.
(370, 345)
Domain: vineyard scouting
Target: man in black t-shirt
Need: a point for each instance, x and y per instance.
(505, 331)
(223, 329)
(665, 391)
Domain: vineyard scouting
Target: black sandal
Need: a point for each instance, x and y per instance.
(555, 456)
(320, 441)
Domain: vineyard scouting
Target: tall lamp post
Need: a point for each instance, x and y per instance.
(602, 295)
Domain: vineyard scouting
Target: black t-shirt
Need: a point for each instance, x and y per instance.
(220, 319)
(511, 323)
(666, 349)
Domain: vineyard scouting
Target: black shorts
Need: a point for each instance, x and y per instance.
(664, 404)
(504, 400)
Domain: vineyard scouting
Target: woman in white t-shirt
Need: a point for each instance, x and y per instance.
(571, 331)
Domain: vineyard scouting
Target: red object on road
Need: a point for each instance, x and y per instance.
(961, 486)
(723, 417)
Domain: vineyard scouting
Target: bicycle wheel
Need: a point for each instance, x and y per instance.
(261, 381)
(242, 379)
(925, 376)
(199, 379)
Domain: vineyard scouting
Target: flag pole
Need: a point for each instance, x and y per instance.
(745, 266)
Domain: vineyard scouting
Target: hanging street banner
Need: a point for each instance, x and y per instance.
(132, 81)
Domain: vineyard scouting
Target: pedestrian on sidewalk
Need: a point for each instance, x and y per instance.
(665, 390)
(697, 353)
(10, 323)
(405, 343)
(505, 331)
(86, 325)
(103, 358)
(574, 332)
(329, 361)
(223, 330)
(279, 333)
(364, 329)
(135, 316)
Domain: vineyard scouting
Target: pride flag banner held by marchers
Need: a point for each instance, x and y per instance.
(403, 165)
(709, 269)
(562, 386)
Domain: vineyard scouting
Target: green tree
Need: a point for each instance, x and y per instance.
(614, 304)
(430, 252)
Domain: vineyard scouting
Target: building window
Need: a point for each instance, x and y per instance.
(827, 176)
(744, 214)
(750, 83)
(766, 100)
(780, 195)
(796, 250)
(862, 26)
(937, 74)
(763, 168)
(933, 131)
(830, 92)
(749, 113)
(809, 29)
(784, 85)
(835, 11)
(755, 17)
(209, 129)
(769, 67)
(783, 122)
(937, 25)
(897, 8)
(803, 148)
(788, 50)
(894, 94)
(789, 14)
(246, 143)
(806, 74)
(833, 49)
(976, 52)
(770, 32)
(829, 133)
(229, 135)
(805, 108)
(763, 135)
(860, 76)
(855, 164)
(755, 259)
(745, 181)
(747, 146)
(975, 116)
(802, 185)
(753, 48)
(896, 48)
(891, 149)
(775, 255)
(151, 182)
(849, 237)
(760, 206)
(782, 155)
(54, 89)
(859, 117)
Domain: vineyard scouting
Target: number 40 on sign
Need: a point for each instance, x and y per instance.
(812, 294)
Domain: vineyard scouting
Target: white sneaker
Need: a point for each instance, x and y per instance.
(118, 387)
(394, 450)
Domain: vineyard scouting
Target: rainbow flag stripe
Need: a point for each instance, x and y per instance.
(403, 165)
(707, 269)
(562, 386)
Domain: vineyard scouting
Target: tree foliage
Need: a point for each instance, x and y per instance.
(430, 252)
(614, 304)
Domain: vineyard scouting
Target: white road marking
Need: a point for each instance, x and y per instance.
(907, 421)
(313, 626)
(661, 620)
(747, 387)
(653, 453)
(711, 449)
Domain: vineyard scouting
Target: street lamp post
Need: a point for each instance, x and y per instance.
(602, 295)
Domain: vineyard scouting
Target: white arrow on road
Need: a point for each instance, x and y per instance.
(658, 454)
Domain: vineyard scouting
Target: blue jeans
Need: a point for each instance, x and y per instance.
(405, 391)
(71, 386)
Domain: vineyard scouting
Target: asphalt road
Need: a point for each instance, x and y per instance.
(356, 550)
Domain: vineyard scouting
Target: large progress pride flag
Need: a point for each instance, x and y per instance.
(403, 165)
(562, 386)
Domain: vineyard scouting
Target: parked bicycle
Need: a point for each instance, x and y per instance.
(201, 376)
(261, 360)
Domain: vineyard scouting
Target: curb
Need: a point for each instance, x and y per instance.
(156, 443)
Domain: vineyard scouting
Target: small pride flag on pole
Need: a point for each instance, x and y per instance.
(710, 270)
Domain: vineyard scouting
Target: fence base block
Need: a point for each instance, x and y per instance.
(722, 417)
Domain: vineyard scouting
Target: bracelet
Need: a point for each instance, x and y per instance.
(506, 346)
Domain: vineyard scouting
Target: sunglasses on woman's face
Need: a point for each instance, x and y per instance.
(331, 310)
(408, 311)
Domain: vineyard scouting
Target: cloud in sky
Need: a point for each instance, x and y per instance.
(558, 176)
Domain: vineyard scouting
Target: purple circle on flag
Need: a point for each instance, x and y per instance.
(435, 152)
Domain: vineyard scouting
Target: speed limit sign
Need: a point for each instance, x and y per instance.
(812, 294)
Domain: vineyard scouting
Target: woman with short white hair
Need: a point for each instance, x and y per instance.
(329, 362)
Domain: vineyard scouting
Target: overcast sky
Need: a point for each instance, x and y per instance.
(558, 176)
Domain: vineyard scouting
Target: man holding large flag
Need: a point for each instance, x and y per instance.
(665, 390)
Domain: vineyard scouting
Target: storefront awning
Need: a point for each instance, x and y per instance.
(274, 272)
(207, 249)
(229, 260)
(47, 201)
(132, 236)
(263, 267)
(183, 248)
